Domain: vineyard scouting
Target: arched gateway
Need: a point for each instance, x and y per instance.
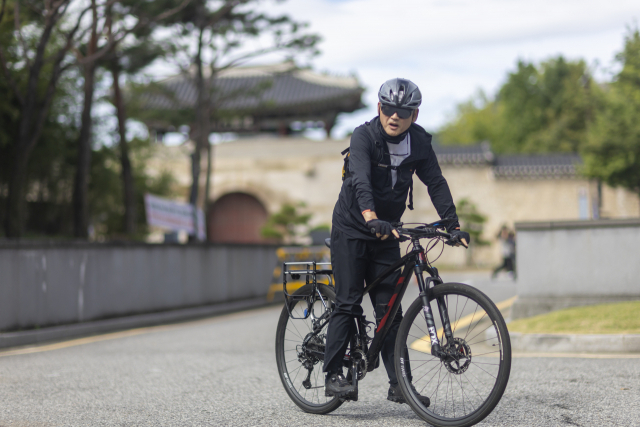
(236, 218)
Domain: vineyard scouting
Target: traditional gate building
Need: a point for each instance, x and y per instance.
(271, 164)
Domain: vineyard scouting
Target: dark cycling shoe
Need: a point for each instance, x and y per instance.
(336, 386)
(395, 395)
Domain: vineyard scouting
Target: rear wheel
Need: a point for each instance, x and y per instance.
(300, 353)
(466, 385)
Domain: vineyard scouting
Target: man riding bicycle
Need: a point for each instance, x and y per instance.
(383, 155)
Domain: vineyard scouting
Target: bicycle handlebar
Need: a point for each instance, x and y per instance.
(422, 232)
(426, 231)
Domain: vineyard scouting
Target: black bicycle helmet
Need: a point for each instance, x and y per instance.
(401, 93)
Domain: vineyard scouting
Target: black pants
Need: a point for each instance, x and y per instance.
(507, 265)
(355, 262)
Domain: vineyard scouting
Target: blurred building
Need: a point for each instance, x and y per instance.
(254, 177)
(256, 99)
(271, 164)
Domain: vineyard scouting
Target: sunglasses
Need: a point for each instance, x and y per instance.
(389, 111)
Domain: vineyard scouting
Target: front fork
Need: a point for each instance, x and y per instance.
(436, 349)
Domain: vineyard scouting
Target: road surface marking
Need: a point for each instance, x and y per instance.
(424, 344)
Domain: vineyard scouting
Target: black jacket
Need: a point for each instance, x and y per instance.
(368, 186)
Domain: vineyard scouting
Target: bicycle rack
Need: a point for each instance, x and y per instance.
(311, 272)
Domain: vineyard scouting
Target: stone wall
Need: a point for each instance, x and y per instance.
(288, 170)
(570, 263)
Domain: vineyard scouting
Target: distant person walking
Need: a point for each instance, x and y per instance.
(508, 242)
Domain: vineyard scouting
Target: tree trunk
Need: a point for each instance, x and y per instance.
(81, 184)
(15, 215)
(207, 186)
(202, 132)
(33, 113)
(128, 185)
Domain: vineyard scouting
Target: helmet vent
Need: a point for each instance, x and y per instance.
(401, 93)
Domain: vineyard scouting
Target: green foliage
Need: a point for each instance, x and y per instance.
(287, 225)
(547, 108)
(475, 120)
(105, 191)
(544, 108)
(612, 153)
(471, 221)
(51, 166)
(218, 35)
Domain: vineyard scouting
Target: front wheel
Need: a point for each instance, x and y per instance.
(465, 385)
(300, 351)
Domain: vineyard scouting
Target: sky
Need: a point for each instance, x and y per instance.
(451, 49)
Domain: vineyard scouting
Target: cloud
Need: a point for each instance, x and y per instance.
(451, 48)
(365, 30)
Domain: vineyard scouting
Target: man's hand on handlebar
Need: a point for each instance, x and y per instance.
(380, 228)
(459, 238)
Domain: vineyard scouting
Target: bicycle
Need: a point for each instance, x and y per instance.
(460, 357)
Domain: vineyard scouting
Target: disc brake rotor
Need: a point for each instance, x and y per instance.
(458, 356)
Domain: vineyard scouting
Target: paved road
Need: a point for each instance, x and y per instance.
(222, 372)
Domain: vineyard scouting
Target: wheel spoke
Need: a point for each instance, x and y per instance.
(480, 332)
(293, 371)
(465, 377)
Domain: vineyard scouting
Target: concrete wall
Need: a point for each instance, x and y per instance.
(50, 284)
(569, 263)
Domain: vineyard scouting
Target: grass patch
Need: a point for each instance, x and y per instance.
(618, 318)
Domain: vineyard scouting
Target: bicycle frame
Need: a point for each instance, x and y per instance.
(412, 262)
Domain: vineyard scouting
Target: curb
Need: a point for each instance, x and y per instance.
(76, 330)
(575, 343)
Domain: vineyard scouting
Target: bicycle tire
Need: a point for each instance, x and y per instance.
(289, 336)
(485, 345)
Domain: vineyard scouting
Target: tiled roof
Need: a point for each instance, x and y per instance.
(282, 89)
(477, 154)
(510, 166)
(533, 166)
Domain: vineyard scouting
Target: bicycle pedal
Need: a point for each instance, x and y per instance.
(351, 398)
(345, 395)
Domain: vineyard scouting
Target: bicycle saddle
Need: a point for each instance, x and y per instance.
(328, 243)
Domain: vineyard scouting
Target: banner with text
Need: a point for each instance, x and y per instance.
(176, 216)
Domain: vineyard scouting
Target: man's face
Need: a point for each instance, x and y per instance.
(394, 125)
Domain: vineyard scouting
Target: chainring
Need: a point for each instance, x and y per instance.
(361, 359)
